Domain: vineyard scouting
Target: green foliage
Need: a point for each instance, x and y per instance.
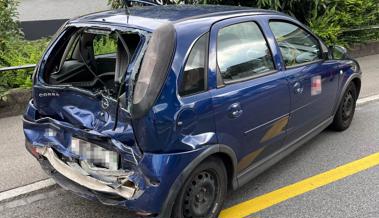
(335, 21)
(14, 50)
(19, 52)
(105, 45)
(8, 26)
(326, 26)
(116, 3)
(332, 20)
(340, 21)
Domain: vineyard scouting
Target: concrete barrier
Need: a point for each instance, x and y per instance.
(14, 102)
(41, 28)
(364, 49)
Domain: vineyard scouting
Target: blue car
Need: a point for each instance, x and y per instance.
(163, 109)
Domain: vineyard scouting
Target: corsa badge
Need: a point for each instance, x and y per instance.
(316, 87)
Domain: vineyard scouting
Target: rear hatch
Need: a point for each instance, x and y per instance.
(81, 91)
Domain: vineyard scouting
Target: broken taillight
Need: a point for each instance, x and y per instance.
(32, 150)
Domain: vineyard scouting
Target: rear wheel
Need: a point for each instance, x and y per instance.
(203, 193)
(346, 109)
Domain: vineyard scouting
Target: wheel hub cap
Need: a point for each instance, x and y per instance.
(200, 195)
(348, 106)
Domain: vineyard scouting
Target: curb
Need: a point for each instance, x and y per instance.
(23, 190)
(366, 100)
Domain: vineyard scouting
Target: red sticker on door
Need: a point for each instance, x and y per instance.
(316, 87)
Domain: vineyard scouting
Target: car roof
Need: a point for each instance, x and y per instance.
(151, 17)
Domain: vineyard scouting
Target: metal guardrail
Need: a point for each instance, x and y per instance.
(24, 67)
(32, 66)
(363, 28)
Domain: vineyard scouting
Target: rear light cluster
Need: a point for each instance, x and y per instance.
(32, 150)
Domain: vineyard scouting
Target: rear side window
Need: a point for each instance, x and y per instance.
(105, 44)
(242, 52)
(195, 70)
(296, 45)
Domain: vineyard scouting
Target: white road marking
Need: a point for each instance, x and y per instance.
(13, 193)
(367, 99)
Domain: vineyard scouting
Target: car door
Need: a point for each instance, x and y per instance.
(251, 100)
(313, 81)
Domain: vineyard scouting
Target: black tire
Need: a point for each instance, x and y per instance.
(203, 193)
(345, 112)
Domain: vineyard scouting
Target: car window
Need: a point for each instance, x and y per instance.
(296, 45)
(105, 44)
(194, 71)
(242, 52)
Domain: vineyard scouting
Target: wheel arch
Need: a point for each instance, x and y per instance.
(356, 80)
(225, 153)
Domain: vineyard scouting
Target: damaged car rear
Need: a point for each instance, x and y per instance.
(162, 109)
(79, 123)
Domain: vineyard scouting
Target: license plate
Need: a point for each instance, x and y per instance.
(95, 154)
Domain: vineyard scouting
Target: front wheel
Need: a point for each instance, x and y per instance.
(203, 193)
(346, 109)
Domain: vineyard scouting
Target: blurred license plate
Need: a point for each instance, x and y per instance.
(95, 154)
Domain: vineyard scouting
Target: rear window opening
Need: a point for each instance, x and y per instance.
(128, 66)
(94, 60)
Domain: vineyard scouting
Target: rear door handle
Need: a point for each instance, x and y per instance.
(235, 110)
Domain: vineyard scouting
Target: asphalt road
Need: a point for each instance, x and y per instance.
(355, 196)
(18, 167)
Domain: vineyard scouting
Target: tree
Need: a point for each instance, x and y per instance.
(9, 27)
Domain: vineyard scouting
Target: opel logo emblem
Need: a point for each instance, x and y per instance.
(105, 103)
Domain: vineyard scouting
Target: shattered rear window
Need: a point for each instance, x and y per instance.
(93, 60)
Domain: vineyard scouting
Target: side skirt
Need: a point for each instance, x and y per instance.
(256, 169)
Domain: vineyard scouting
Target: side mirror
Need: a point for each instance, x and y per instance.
(338, 52)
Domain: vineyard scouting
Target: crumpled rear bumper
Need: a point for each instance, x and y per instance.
(144, 187)
(81, 177)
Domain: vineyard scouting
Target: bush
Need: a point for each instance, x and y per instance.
(14, 50)
(340, 21)
(9, 28)
(332, 20)
(19, 52)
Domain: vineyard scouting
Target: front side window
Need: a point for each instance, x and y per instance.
(296, 45)
(242, 52)
(194, 71)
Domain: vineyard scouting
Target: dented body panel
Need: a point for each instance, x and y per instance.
(148, 171)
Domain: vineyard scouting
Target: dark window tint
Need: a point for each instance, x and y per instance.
(242, 52)
(297, 45)
(194, 72)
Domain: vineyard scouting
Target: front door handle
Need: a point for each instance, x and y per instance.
(298, 88)
(235, 110)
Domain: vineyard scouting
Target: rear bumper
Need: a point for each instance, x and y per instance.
(82, 178)
(145, 188)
